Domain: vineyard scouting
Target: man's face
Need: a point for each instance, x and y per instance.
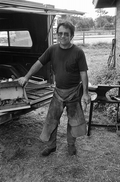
(64, 36)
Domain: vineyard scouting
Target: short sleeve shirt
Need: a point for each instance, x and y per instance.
(66, 63)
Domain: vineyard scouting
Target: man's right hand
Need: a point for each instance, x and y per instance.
(22, 81)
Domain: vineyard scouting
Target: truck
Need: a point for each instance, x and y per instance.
(26, 31)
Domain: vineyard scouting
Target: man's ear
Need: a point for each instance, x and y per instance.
(71, 37)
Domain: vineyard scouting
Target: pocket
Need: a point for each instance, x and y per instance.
(71, 66)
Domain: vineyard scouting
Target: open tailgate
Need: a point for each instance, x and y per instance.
(39, 95)
(13, 97)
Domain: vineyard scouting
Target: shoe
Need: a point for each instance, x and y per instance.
(72, 150)
(47, 151)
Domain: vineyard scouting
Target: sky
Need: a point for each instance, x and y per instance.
(78, 5)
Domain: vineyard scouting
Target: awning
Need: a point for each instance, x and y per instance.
(33, 7)
(104, 3)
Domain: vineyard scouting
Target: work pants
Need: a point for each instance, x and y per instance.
(76, 125)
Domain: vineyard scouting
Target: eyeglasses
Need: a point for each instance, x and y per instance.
(65, 34)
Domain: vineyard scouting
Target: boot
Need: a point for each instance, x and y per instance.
(72, 149)
(47, 151)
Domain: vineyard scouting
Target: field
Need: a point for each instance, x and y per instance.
(98, 156)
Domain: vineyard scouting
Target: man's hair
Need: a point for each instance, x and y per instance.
(67, 24)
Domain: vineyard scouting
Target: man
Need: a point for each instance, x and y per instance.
(70, 69)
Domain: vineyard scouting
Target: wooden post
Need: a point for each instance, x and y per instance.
(83, 38)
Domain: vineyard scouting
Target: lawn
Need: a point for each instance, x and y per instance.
(98, 156)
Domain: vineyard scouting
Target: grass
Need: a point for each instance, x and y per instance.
(98, 156)
(97, 57)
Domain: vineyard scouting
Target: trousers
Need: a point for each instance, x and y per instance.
(76, 125)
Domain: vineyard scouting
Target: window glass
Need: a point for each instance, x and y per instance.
(3, 38)
(20, 39)
(15, 38)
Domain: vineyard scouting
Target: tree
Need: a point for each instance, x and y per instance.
(85, 24)
(109, 26)
(101, 21)
(101, 12)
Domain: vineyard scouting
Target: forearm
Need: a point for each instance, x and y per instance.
(34, 69)
(84, 79)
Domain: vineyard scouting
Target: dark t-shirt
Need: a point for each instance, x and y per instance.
(66, 63)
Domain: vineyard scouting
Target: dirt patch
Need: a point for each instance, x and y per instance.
(97, 156)
(97, 159)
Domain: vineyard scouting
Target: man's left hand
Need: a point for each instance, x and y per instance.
(86, 99)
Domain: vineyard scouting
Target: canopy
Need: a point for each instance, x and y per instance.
(33, 7)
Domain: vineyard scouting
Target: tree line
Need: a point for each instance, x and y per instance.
(103, 21)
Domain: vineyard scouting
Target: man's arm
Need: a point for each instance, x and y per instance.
(86, 97)
(84, 79)
(34, 69)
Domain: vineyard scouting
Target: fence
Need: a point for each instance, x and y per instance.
(94, 36)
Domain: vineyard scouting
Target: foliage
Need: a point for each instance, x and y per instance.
(110, 19)
(100, 22)
(101, 12)
(79, 22)
(107, 76)
(83, 23)
(109, 26)
(105, 21)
